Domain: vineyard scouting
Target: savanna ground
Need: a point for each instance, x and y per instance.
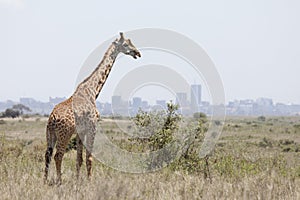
(255, 158)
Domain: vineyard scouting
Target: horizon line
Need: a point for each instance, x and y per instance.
(226, 102)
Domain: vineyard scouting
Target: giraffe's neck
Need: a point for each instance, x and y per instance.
(93, 84)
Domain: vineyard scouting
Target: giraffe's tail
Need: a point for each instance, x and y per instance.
(51, 141)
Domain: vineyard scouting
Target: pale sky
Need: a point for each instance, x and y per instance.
(254, 44)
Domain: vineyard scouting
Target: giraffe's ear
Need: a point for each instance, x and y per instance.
(121, 37)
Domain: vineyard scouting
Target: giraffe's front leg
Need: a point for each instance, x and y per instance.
(79, 154)
(89, 149)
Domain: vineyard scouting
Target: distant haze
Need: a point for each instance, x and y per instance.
(254, 44)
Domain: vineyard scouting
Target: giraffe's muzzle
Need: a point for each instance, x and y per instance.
(136, 54)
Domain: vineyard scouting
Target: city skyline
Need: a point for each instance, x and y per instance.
(174, 100)
(254, 44)
(246, 107)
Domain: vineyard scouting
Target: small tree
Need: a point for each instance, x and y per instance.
(21, 108)
(9, 112)
(166, 134)
(161, 127)
(190, 138)
(15, 111)
(189, 159)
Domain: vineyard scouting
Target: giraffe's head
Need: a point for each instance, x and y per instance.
(125, 46)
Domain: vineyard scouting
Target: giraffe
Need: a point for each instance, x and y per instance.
(79, 115)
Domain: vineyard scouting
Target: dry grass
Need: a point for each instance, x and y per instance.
(241, 168)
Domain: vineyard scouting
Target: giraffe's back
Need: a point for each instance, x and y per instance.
(61, 120)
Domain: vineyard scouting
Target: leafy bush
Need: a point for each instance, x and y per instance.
(166, 134)
(286, 142)
(162, 126)
(297, 126)
(148, 123)
(15, 111)
(199, 115)
(261, 118)
(9, 112)
(156, 130)
(189, 160)
(265, 143)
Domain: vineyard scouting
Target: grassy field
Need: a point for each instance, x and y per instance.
(255, 158)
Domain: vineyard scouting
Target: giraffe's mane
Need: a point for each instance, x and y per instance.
(98, 66)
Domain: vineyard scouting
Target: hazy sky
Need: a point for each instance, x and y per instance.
(255, 44)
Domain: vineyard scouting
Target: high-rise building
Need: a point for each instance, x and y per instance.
(106, 109)
(136, 102)
(195, 97)
(181, 99)
(116, 101)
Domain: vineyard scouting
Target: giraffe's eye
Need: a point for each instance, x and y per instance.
(125, 45)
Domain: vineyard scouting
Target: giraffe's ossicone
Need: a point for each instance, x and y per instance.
(79, 115)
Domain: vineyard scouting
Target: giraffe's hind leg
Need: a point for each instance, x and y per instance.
(51, 140)
(60, 151)
(79, 154)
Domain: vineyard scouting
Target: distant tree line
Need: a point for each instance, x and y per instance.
(15, 111)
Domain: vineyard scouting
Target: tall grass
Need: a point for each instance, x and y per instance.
(240, 168)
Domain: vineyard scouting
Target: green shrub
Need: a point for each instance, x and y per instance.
(199, 115)
(166, 134)
(286, 142)
(162, 127)
(9, 112)
(189, 159)
(261, 118)
(265, 143)
(297, 126)
(159, 126)
(72, 144)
